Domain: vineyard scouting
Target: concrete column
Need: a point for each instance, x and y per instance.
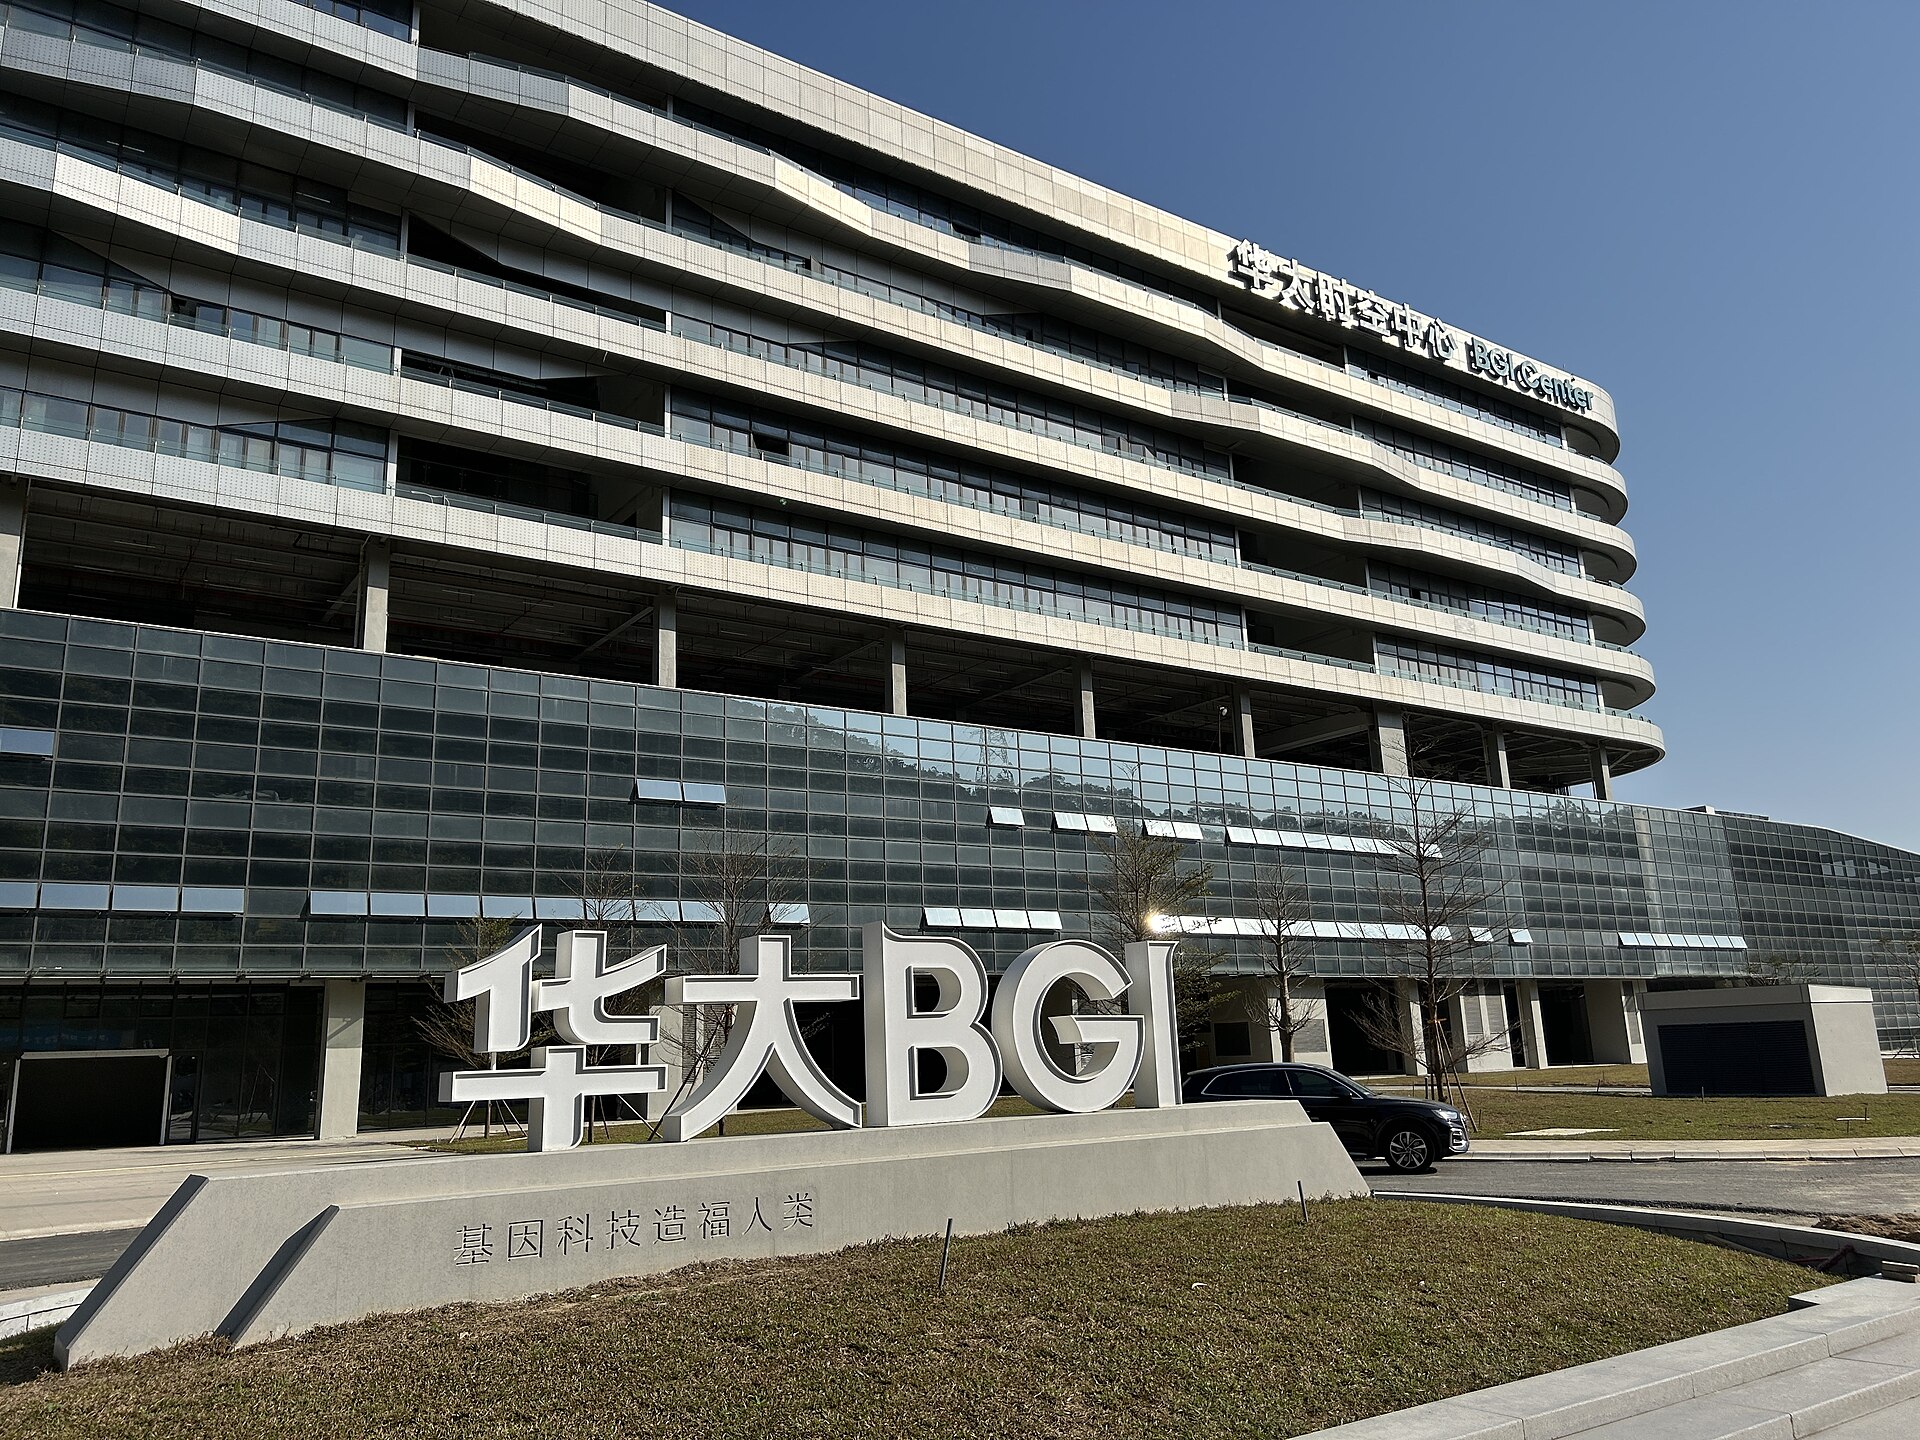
(13, 540)
(1498, 771)
(1533, 1031)
(1602, 774)
(376, 581)
(897, 673)
(1389, 741)
(1243, 709)
(1309, 1002)
(1607, 1024)
(342, 1027)
(1481, 1019)
(666, 640)
(1087, 730)
(1413, 1031)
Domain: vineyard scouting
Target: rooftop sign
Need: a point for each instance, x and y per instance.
(1296, 287)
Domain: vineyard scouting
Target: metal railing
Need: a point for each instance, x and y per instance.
(149, 302)
(454, 500)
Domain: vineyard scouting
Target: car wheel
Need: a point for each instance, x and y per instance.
(1409, 1150)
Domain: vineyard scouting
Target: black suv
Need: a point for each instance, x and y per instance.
(1408, 1134)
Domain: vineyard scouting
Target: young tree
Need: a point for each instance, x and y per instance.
(1147, 877)
(1903, 955)
(1434, 892)
(610, 903)
(447, 1026)
(1280, 901)
(1777, 969)
(738, 881)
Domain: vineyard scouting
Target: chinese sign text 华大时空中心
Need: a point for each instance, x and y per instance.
(1312, 292)
(1129, 1043)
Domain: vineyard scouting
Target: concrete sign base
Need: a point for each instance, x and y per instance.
(256, 1257)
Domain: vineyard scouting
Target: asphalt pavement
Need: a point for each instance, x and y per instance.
(1799, 1188)
(52, 1259)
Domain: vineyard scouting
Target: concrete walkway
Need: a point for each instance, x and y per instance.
(1846, 1364)
(68, 1192)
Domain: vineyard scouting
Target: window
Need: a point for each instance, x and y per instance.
(1250, 1084)
(1232, 1037)
(1317, 1085)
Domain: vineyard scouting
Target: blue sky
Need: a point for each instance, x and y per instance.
(1710, 209)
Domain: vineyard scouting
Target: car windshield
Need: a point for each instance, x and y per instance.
(1355, 1086)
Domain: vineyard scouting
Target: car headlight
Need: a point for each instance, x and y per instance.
(1452, 1117)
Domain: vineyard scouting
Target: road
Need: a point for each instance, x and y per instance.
(53, 1259)
(1798, 1188)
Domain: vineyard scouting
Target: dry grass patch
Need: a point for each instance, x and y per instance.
(1887, 1227)
(1218, 1323)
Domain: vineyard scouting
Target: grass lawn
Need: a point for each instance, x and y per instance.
(1218, 1323)
(1899, 1072)
(1498, 1113)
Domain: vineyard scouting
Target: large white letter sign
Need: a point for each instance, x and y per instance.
(1150, 996)
(765, 1037)
(584, 980)
(560, 1080)
(1116, 1039)
(502, 988)
(897, 1031)
(556, 1089)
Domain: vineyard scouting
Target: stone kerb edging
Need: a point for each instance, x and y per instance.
(1768, 1237)
(39, 1306)
(255, 1257)
(1548, 1151)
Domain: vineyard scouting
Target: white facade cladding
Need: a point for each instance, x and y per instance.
(649, 355)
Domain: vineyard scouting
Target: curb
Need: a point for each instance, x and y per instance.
(1898, 1150)
(39, 1306)
(1799, 1243)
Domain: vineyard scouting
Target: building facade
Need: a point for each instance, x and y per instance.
(431, 482)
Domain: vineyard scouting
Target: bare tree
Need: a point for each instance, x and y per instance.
(608, 891)
(1434, 893)
(1281, 903)
(446, 1026)
(1777, 969)
(1903, 955)
(737, 883)
(1147, 878)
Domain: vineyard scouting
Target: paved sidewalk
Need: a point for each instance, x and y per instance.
(69, 1192)
(1845, 1364)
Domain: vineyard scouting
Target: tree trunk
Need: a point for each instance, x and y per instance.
(1286, 1020)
